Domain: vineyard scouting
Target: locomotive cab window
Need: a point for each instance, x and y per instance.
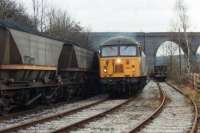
(109, 51)
(128, 51)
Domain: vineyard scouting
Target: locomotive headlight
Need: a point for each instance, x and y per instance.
(118, 61)
(105, 70)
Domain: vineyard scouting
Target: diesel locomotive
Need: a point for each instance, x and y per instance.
(38, 69)
(123, 68)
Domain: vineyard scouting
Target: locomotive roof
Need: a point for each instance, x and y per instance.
(120, 40)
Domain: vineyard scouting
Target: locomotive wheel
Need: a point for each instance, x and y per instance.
(130, 90)
(142, 84)
(111, 90)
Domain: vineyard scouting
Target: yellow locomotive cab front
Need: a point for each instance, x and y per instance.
(122, 66)
(119, 67)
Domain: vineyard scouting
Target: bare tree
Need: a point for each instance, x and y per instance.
(168, 51)
(42, 16)
(12, 11)
(35, 4)
(182, 25)
(61, 25)
(53, 22)
(171, 49)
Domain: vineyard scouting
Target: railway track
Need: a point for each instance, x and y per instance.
(134, 109)
(178, 115)
(45, 108)
(26, 118)
(150, 112)
(53, 123)
(126, 117)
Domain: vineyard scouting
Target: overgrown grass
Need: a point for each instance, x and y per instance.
(188, 89)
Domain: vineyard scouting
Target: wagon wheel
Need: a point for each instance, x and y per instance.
(51, 95)
(4, 107)
(2, 110)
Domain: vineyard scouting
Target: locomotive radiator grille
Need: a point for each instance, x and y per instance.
(118, 68)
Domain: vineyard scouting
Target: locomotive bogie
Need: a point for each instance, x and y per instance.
(123, 87)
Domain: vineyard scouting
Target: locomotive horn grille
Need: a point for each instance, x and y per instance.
(118, 68)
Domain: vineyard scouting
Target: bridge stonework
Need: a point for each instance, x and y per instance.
(150, 41)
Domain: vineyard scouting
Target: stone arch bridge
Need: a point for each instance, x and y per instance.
(151, 41)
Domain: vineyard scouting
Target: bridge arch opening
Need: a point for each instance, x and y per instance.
(198, 59)
(169, 48)
(198, 51)
(170, 54)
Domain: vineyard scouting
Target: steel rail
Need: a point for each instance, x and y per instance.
(154, 114)
(29, 111)
(16, 114)
(48, 118)
(195, 121)
(87, 120)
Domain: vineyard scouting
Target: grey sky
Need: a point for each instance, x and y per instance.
(124, 15)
